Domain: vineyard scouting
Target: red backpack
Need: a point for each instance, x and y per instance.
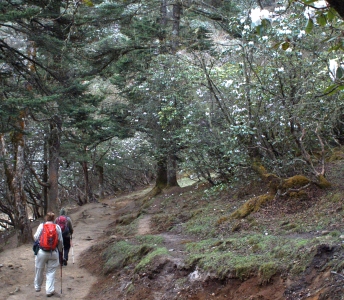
(62, 221)
(49, 237)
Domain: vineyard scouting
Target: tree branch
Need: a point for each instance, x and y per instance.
(45, 184)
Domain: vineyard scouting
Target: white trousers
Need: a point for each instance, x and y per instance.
(49, 261)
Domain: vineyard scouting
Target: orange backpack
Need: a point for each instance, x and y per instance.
(49, 238)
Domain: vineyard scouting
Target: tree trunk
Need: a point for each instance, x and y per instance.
(172, 171)
(54, 164)
(253, 150)
(163, 20)
(15, 181)
(85, 172)
(161, 178)
(176, 26)
(89, 197)
(163, 24)
(44, 201)
(100, 170)
(22, 224)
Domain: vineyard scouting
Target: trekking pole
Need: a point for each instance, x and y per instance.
(61, 273)
(61, 279)
(71, 238)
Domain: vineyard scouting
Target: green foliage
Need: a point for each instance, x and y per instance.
(222, 95)
(309, 26)
(13, 13)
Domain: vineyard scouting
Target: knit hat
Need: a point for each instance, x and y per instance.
(62, 211)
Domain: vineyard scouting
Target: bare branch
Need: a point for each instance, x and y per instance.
(45, 184)
(296, 190)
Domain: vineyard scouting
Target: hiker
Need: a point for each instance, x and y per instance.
(66, 225)
(50, 240)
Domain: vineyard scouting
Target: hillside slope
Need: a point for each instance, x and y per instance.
(185, 244)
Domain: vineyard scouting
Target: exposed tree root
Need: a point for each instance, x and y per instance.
(278, 187)
(154, 192)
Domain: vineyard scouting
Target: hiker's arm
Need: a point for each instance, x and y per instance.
(38, 232)
(60, 238)
(70, 225)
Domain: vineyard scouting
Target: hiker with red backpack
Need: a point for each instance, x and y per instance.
(66, 225)
(49, 236)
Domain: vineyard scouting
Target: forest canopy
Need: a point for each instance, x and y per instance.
(99, 97)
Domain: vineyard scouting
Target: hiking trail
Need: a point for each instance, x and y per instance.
(17, 265)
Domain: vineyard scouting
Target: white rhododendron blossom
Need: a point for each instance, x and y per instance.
(333, 66)
(320, 4)
(310, 11)
(301, 34)
(227, 83)
(281, 8)
(257, 15)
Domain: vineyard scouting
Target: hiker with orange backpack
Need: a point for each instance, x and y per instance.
(49, 236)
(66, 226)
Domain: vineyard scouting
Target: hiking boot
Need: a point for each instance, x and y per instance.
(65, 262)
(51, 294)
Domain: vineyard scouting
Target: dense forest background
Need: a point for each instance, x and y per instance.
(105, 96)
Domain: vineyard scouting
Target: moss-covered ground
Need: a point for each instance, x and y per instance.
(203, 236)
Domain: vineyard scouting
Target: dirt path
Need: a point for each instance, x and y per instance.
(17, 265)
(144, 225)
